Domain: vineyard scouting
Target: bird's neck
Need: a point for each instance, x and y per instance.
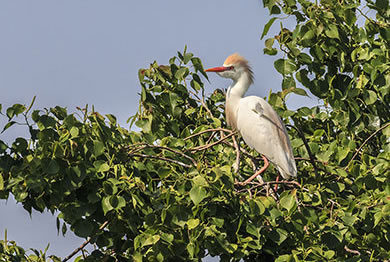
(235, 92)
(239, 86)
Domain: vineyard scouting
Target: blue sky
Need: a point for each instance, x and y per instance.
(71, 53)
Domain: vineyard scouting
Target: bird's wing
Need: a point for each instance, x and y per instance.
(262, 129)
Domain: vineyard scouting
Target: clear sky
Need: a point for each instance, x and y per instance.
(71, 53)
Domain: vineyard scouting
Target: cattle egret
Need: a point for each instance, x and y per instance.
(255, 119)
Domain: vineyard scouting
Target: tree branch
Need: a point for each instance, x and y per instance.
(144, 145)
(203, 147)
(208, 130)
(355, 252)
(295, 183)
(365, 142)
(312, 159)
(86, 242)
(161, 158)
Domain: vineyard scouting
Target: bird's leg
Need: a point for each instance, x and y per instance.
(236, 165)
(276, 185)
(266, 164)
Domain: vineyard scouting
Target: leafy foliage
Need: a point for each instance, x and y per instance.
(168, 191)
(9, 251)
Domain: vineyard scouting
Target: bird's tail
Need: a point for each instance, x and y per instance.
(291, 173)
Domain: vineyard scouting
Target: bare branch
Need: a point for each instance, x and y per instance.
(161, 158)
(144, 145)
(312, 159)
(355, 252)
(208, 130)
(203, 147)
(86, 242)
(295, 183)
(365, 142)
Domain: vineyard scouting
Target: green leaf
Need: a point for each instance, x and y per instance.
(200, 181)
(342, 153)
(83, 228)
(300, 91)
(269, 42)
(59, 112)
(198, 66)
(98, 148)
(8, 125)
(151, 240)
(278, 235)
(287, 200)
(74, 132)
(329, 254)
(332, 31)
(253, 230)
(15, 110)
(284, 258)
(267, 26)
(117, 202)
(181, 73)
(52, 167)
(192, 223)
(285, 66)
(106, 205)
(197, 194)
(101, 166)
(370, 97)
(382, 5)
(109, 188)
(191, 249)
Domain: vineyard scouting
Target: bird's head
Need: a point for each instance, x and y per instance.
(234, 67)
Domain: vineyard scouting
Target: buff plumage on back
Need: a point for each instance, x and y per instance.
(235, 59)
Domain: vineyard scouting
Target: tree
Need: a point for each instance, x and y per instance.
(167, 192)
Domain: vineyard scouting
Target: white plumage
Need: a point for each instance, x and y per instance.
(255, 119)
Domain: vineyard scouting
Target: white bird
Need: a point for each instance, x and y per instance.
(255, 119)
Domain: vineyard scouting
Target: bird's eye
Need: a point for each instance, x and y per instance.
(231, 68)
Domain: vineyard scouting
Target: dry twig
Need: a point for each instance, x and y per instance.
(162, 158)
(208, 130)
(203, 147)
(144, 145)
(355, 252)
(365, 142)
(86, 242)
(257, 185)
(312, 159)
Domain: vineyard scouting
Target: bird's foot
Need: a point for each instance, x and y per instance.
(240, 184)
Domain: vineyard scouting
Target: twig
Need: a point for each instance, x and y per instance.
(252, 158)
(308, 159)
(296, 201)
(162, 158)
(203, 147)
(365, 142)
(86, 242)
(143, 145)
(211, 137)
(312, 159)
(208, 130)
(355, 252)
(365, 16)
(206, 107)
(270, 183)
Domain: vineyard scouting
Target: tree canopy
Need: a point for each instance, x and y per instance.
(167, 192)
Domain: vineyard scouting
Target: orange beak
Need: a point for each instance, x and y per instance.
(218, 69)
